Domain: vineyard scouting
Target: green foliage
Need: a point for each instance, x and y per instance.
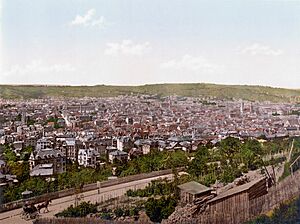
(161, 187)
(154, 161)
(20, 169)
(119, 212)
(176, 159)
(9, 154)
(62, 181)
(297, 143)
(275, 114)
(250, 154)
(229, 174)
(155, 188)
(198, 166)
(84, 175)
(81, 210)
(37, 185)
(225, 162)
(30, 121)
(295, 112)
(86, 208)
(106, 215)
(276, 146)
(159, 209)
(19, 117)
(55, 121)
(25, 153)
(209, 179)
(230, 149)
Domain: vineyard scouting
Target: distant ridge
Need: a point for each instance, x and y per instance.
(202, 90)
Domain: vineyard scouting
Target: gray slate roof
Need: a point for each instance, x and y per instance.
(48, 153)
(193, 187)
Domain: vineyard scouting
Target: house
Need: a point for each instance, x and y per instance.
(135, 152)
(117, 155)
(191, 191)
(110, 149)
(47, 156)
(145, 145)
(186, 146)
(43, 143)
(30, 141)
(124, 143)
(18, 146)
(70, 149)
(88, 157)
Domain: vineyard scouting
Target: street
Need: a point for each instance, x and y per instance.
(57, 205)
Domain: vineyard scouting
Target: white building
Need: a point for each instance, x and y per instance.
(43, 143)
(88, 157)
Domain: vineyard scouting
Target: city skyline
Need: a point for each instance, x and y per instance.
(146, 42)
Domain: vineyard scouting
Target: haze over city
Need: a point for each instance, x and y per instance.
(138, 42)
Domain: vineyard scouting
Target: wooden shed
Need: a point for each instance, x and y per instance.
(191, 191)
(237, 200)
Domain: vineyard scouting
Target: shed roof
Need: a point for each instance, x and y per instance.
(237, 190)
(193, 187)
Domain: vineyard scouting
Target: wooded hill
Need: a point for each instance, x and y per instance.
(202, 90)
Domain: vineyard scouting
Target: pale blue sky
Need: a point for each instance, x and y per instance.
(93, 42)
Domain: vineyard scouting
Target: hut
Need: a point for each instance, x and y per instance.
(236, 201)
(191, 191)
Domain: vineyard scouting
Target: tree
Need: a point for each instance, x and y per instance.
(177, 159)
(159, 209)
(25, 153)
(9, 155)
(251, 152)
(20, 169)
(230, 149)
(198, 165)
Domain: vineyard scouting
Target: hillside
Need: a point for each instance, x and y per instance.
(252, 93)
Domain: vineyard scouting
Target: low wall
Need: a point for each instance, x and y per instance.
(88, 187)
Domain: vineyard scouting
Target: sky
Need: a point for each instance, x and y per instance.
(135, 42)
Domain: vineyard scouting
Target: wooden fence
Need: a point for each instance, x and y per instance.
(287, 189)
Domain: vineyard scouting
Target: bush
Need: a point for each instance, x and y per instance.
(81, 210)
(159, 209)
(119, 212)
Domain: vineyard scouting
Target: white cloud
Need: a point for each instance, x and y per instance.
(259, 49)
(188, 62)
(89, 20)
(127, 47)
(38, 67)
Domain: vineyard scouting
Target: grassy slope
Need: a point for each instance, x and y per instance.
(252, 93)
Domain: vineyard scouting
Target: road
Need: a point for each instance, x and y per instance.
(57, 205)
